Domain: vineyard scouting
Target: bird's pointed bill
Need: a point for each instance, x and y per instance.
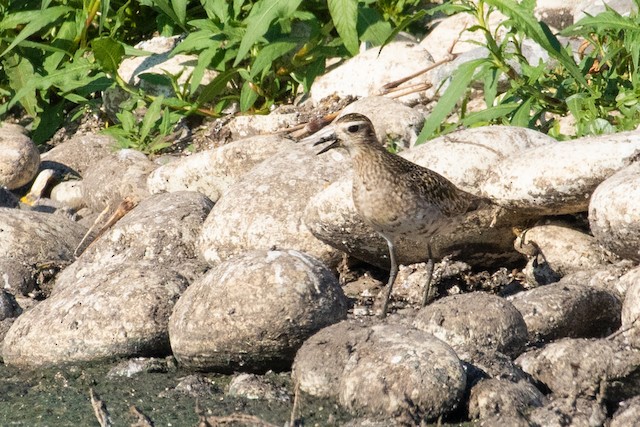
(325, 134)
(334, 144)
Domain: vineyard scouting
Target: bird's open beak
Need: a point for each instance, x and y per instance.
(323, 135)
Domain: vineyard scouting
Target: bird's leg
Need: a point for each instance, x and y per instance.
(392, 276)
(426, 296)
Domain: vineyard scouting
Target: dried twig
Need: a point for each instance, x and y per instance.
(100, 409)
(125, 206)
(294, 409)
(313, 126)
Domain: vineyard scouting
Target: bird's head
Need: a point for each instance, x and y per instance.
(351, 131)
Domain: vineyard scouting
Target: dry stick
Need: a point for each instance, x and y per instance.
(125, 206)
(407, 90)
(312, 126)
(100, 409)
(143, 420)
(392, 85)
(294, 410)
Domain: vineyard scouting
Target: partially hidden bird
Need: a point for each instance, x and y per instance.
(393, 195)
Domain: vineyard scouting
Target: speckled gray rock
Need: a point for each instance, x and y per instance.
(602, 368)
(560, 178)
(627, 413)
(114, 177)
(476, 319)
(69, 193)
(255, 387)
(595, 7)
(31, 239)
(403, 373)
(394, 122)
(499, 397)
(614, 213)
(162, 229)
(631, 314)
(76, 155)
(264, 209)
(320, 362)
(387, 371)
(576, 412)
(19, 158)
(481, 363)
(8, 199)
(254, 311)
(121, 311)
(212, 172)
(250, 125)
(374, 68)
(563, 310)
(560, 249)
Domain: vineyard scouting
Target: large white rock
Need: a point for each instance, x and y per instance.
(212, 172)
(254, 311)
(560, 178)
(614, 213)
(19, 157)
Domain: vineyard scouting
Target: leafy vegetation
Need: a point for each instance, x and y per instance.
(58, 56)
(600, 91)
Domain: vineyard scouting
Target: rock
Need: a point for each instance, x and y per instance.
(19, 158)
(161, 62)
(8, 199)
(32, 241)
(627, 414)
(121, 311)
(320, 362)
(476, 319)
(402, 373)
(212, 172)
(395, 123)
(196, 386)
(254, 387)
(254, 311)
(8, 306)
(387, 371)
(69, 193)
(602, 368)
(499, 397)
(614, 278)
(466, 157)
(593, 8)
(251, 125)
(162, 229)
(556, 14)
(375, 68)
(568, 310)
(578, 412)
(138, 365)
(559, 178)
(115, 177)
(263, 210)
(560, 249)
(614, 213)
(78, 154)
(452, 31)
(631, 313)
(481, 363)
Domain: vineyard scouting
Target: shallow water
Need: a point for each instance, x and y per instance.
(61, 397)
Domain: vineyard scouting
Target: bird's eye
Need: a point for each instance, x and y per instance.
(353, 128)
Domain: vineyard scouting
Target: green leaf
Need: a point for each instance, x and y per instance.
(344, 14)
(522, 116)
(540, 33)
(271, 52)
(108, 53)
(372, 27)
(37, 22)
(248, 96)
(217, 86)
(489, 114)
(263, 13)
(152, 115)
(21, 78)
(457, 87)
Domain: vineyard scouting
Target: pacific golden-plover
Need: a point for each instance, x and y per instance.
(393, 195)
